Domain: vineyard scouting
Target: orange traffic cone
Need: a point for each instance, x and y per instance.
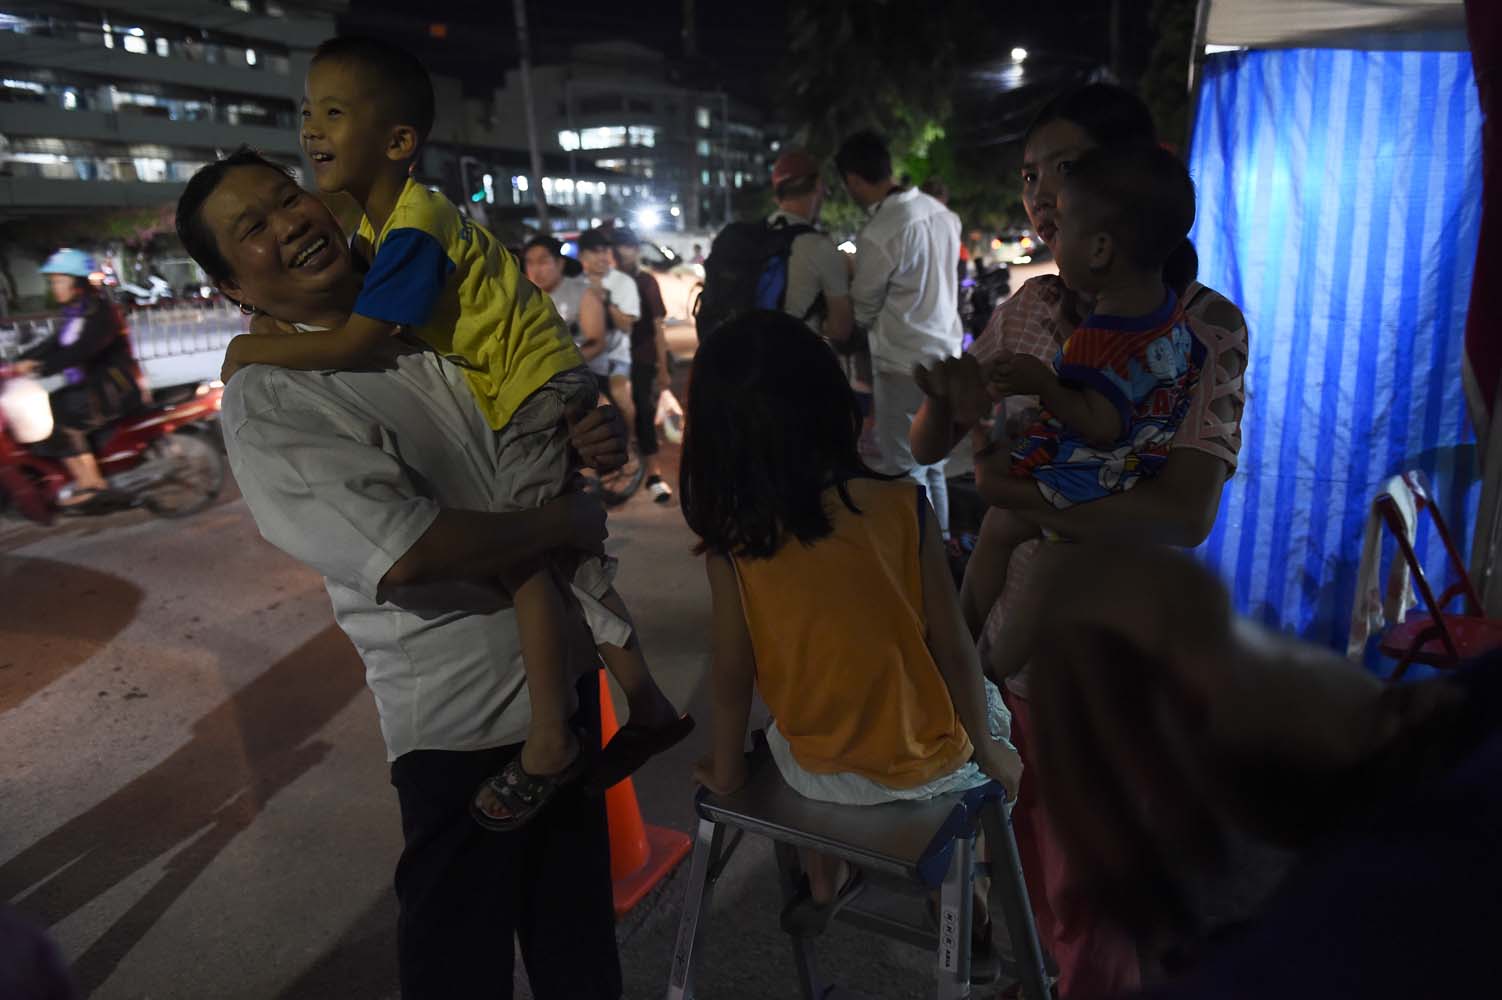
(640, 855)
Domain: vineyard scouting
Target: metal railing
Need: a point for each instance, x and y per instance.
(174, 345)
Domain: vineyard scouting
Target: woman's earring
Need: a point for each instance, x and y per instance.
(246, 309)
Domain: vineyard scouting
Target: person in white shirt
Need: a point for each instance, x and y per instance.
(385, 481)
(612, 365)
(905, 294)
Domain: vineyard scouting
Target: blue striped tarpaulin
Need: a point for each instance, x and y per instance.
(1339, 204)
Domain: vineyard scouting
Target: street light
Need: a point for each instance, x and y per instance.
(1019, 54)
(647, 219)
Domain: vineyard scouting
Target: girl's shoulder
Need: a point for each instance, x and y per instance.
(883, 496)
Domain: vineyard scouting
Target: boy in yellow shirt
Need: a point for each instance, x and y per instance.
(368, 108)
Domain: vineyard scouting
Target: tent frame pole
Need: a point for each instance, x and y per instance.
(1196, 64)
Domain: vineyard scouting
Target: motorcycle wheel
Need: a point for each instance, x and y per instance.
(193, 477)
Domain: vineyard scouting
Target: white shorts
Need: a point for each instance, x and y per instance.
(849, 789)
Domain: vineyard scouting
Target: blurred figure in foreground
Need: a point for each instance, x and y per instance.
(1166, 728)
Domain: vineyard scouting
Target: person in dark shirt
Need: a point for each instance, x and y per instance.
(1167, 728)
(649, 358)
(91, 350)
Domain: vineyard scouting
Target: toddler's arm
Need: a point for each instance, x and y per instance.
(359, 343)
(949, 641)
(1084, 411)
(733, 677)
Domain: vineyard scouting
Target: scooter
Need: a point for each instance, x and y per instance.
(159, 457)
(156, 293)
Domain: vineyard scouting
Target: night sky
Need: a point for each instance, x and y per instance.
(741, 44)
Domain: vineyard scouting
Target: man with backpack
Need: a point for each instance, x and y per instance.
(785, 263)
(905, 294)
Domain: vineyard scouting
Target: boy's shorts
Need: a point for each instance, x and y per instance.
(537, 465)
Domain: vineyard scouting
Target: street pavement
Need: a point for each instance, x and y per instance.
(194, 799)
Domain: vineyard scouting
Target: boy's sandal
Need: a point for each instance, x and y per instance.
(522, 795)
(631, 747)
(802, 917)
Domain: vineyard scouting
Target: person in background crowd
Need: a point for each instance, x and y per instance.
(101, 381)
(612, 366)
(698, 257)
(818, 275)
(650, 372)
(579, 305)
(905, 294)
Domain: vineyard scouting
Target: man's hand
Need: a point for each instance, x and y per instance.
(578, 521)
(722, 780)
(27, 367)
(1020, 375)
(599, 438)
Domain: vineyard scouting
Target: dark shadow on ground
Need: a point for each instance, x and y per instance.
(195, 802)
(362, 963)
(53, 617)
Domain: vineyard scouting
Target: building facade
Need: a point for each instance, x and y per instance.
(677, 153)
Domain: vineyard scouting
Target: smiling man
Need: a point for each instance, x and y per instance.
(384, 481)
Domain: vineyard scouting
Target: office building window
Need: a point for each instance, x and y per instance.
(701, 116)
(163, 49)
(703, 147)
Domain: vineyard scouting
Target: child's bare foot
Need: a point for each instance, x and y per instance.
(548, 752)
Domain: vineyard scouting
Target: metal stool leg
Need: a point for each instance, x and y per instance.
(696, 898)
(956, 903)
(790, 874)
(1006, 874)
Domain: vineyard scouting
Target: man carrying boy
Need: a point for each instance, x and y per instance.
(368, 108)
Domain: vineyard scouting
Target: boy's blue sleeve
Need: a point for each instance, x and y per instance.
(405, 279)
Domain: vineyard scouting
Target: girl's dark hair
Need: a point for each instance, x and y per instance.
(1112, 116)
(771, 424)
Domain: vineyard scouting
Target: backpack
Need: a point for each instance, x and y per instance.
(747, 269)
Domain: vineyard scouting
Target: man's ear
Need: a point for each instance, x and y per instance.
(1102, 251)
(230, 290)
(403, 143)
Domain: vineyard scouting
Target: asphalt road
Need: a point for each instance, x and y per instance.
(194, 799)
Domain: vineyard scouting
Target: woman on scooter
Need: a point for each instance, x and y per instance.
(91, 350)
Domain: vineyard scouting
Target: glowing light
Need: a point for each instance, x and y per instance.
(1019, 54)
(648, 218)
